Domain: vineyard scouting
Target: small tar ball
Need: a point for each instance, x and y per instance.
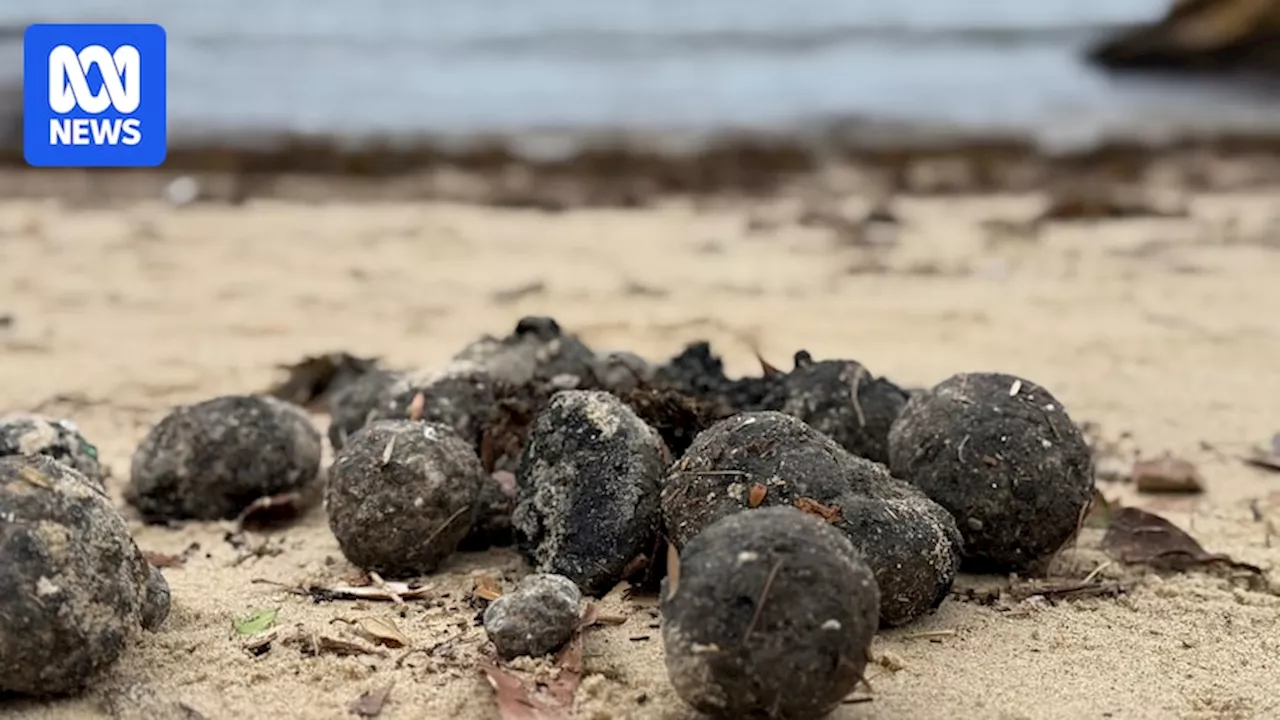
(535, 619)
(352, 407)
(822, 395)
(1001, 454)
(461, 395)
(74, 588)
(210, 460)
(588, 489)
(538, 349)
(772, 614)
(58, 439)
(402, 495)
(763, 459)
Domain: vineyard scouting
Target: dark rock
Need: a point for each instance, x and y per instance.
(1200, 37)
(772, 616)
(211, 460)
(768, 458)
(73, 586)
(587, 489)
(535, 619)
(1001, 454)
(353, 405)
(402, 495)
(58, 439)
(822, 395)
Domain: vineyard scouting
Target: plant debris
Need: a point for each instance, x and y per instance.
(256, 622)
(487, 589)
(314, 379)
(830, 513)
(314, 644)
(163, 560)
(271, 510)
(385, 590)
(1167, 475)
(1138, 537)
(380, 630)
(513, 699)
(1267, 459)
(370, 704)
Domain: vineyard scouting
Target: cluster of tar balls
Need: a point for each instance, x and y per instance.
(826, 504)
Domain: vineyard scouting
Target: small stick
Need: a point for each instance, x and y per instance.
(857, 406)
(446, 524)
(960, 450)
(1094, 574)
(382, 584)
(386, 454)
(764, 596)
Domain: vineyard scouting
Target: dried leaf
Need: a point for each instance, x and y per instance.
(830, 513)
(370, 704)
(383, 631)
(312, 380)
(673, 570)
(271, 510)
(756, 495)
(767, 369)
(1138, 537)
(566, 682)
(33, 476)
(1167, 475)
(388, 591)
(513, 699)
(256, 622)
(312, 644)
(160, 560)
(487, 588)
(260, 644)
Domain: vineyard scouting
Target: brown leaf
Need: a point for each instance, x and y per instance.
(312, 644)
(830, 513)
(767, 369)
(162, 561)
(383, 631)
(673, 570)
(566, 682)
(487, 588)
(756, 495)
(1138, 537)
(513, 699)
(417, 407)
(1167, 475)
(370, 703)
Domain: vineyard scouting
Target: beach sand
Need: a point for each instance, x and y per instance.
(1165, 329)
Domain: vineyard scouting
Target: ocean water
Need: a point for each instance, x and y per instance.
(410, 67)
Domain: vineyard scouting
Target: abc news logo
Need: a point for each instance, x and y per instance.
(69, 90)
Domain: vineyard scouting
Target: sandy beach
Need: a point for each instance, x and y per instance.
(1164, 332)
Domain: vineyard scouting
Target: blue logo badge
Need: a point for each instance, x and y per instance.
(94, 95)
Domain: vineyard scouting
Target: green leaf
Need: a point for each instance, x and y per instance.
(256, 622)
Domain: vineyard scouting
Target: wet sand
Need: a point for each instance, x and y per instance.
(1165, 329)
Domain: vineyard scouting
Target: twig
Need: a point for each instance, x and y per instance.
(1093, 575)
(764, 596)
(857, 405)
(446, 524)
(928, 634)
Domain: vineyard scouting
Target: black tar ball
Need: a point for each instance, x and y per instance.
(210, 460)
(587, 489)
(1001, 454)
(763, 459)
(771, 615)
(538, 349)
(353, 406)
(402, 495)
(842, 399)
(74, 589)
(59, 439)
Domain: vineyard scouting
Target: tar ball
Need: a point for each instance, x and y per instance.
(460, 395)
(56, 438)
(771, 615)
(402, 495)
(535, 619)
(764, 459)
(210, 460)
(843, 400)
(353, 406)
(588, 489)
(1001, 454)
(74, 589)
(538, 350)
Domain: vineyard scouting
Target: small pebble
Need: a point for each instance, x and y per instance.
(772, 616)
(402, 495)
(1001, 454)
(763, 459)
(56, 438)
(74, 589)
(535, 619)
(210, 460)
(822, 395)
(587, 489)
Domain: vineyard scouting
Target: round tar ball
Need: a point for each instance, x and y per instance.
(588, 489)
(538, 349)
(352, 407)
(210, 460)
(535, 619)
(59, 439)
(460, 395)
(1001, 454)
(73, 586)
(771, 614)
(763, 459)
(402, 495)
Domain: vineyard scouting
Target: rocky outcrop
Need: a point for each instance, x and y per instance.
(1201, 36)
